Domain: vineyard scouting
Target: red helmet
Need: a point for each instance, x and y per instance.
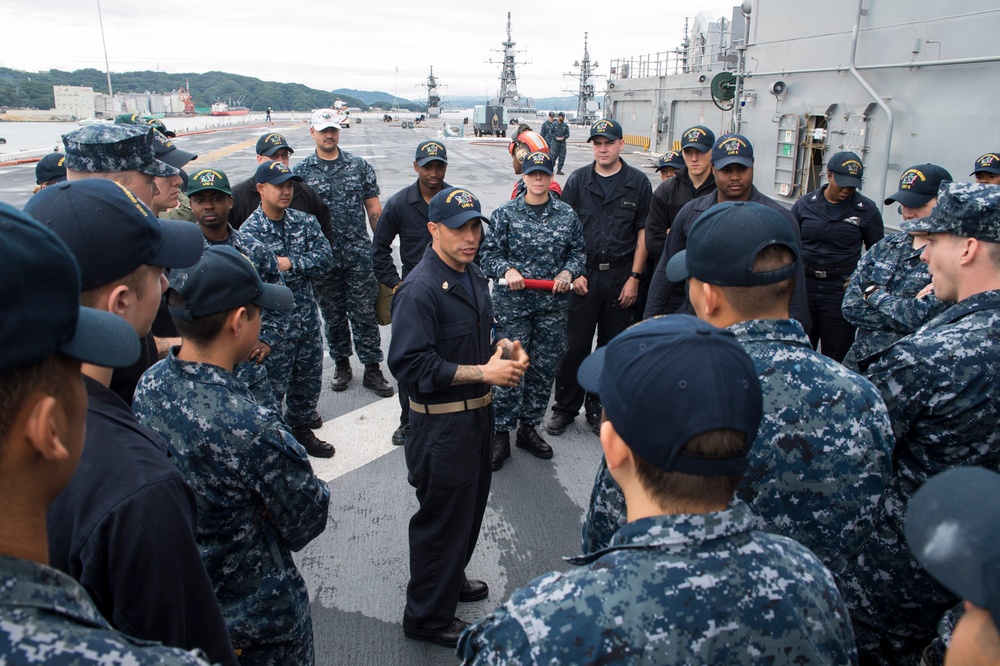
(527, 142)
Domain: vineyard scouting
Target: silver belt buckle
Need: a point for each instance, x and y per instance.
(603, 267)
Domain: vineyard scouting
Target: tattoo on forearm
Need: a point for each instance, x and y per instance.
(468, 374)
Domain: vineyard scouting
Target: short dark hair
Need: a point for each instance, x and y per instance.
(688, 490)
(749, 301)
(135, 281)
(203, 330)
(16, 384)
(993, 253)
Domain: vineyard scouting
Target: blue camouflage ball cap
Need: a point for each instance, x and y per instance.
(953, 529)
(732, 149)
(274, 172)
(698, 137)
(40, 311)
(668, 379)
(609, 129)
(51, 168)
(724, 242)
(114, 148)
(537, 162)
(110, 232)
(963, 209)
(223, 280)
(919, 184)
(671, 159)
(455, 206)
(848, 167)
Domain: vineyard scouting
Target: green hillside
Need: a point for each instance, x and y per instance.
(20, 89)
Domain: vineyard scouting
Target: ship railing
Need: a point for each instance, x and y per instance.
(693, 59)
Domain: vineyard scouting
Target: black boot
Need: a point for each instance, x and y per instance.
(529, 440)
(375, 380)
(501, 449)
(343, 375)
(313, 445)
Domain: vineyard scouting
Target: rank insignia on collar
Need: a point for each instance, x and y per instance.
(444, 285)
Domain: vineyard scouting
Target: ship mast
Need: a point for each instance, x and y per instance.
(508, 97)
(433, 97)
(586, 106)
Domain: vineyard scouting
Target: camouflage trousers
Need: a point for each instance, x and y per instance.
(255, 377)
(295, 368)
(558, 149)
(542, 333)
(298, 651)
(347, 299)
(606, 513)
(895, 604)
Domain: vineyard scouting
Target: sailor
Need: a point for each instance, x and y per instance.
(835, 221)
(824, 447)
(100, 524)
(405, 216)
(211, 200)
(546, 129)
(125, 152)
(668, 165)
(258, 498)
(169, 198)
(987, 169)
(449, 350)
(612, 201)
(273, 146)
(688, 580)
(890, 293)
(347, 293)
(962, 501)
(940, 386)
(732, 169)
(295, 365)
(50, 170)
(822, 455)
(559, 133)
(691, 182)
(523, 142)
(46, 616)
(695, 180)
(535, 236)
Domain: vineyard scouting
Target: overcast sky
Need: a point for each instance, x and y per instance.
(360, 45)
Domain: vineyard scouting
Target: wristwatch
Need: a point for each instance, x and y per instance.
(871, 289)
(637, 276)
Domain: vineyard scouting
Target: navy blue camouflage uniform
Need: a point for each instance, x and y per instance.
(538, 247)
(126, 516)
(273, 325)
(832, 236)
(675, 589)
(348, 291)
(47, 617)
(295, 366)
(437, 326)
(892, 311)
(258, 500)
(611, 223)
(821, 458)
(557, 147)
(940, 387)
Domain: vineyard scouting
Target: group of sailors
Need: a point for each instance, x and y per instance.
(758, 498)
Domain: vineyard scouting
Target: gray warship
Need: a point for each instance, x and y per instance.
(900, 83)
